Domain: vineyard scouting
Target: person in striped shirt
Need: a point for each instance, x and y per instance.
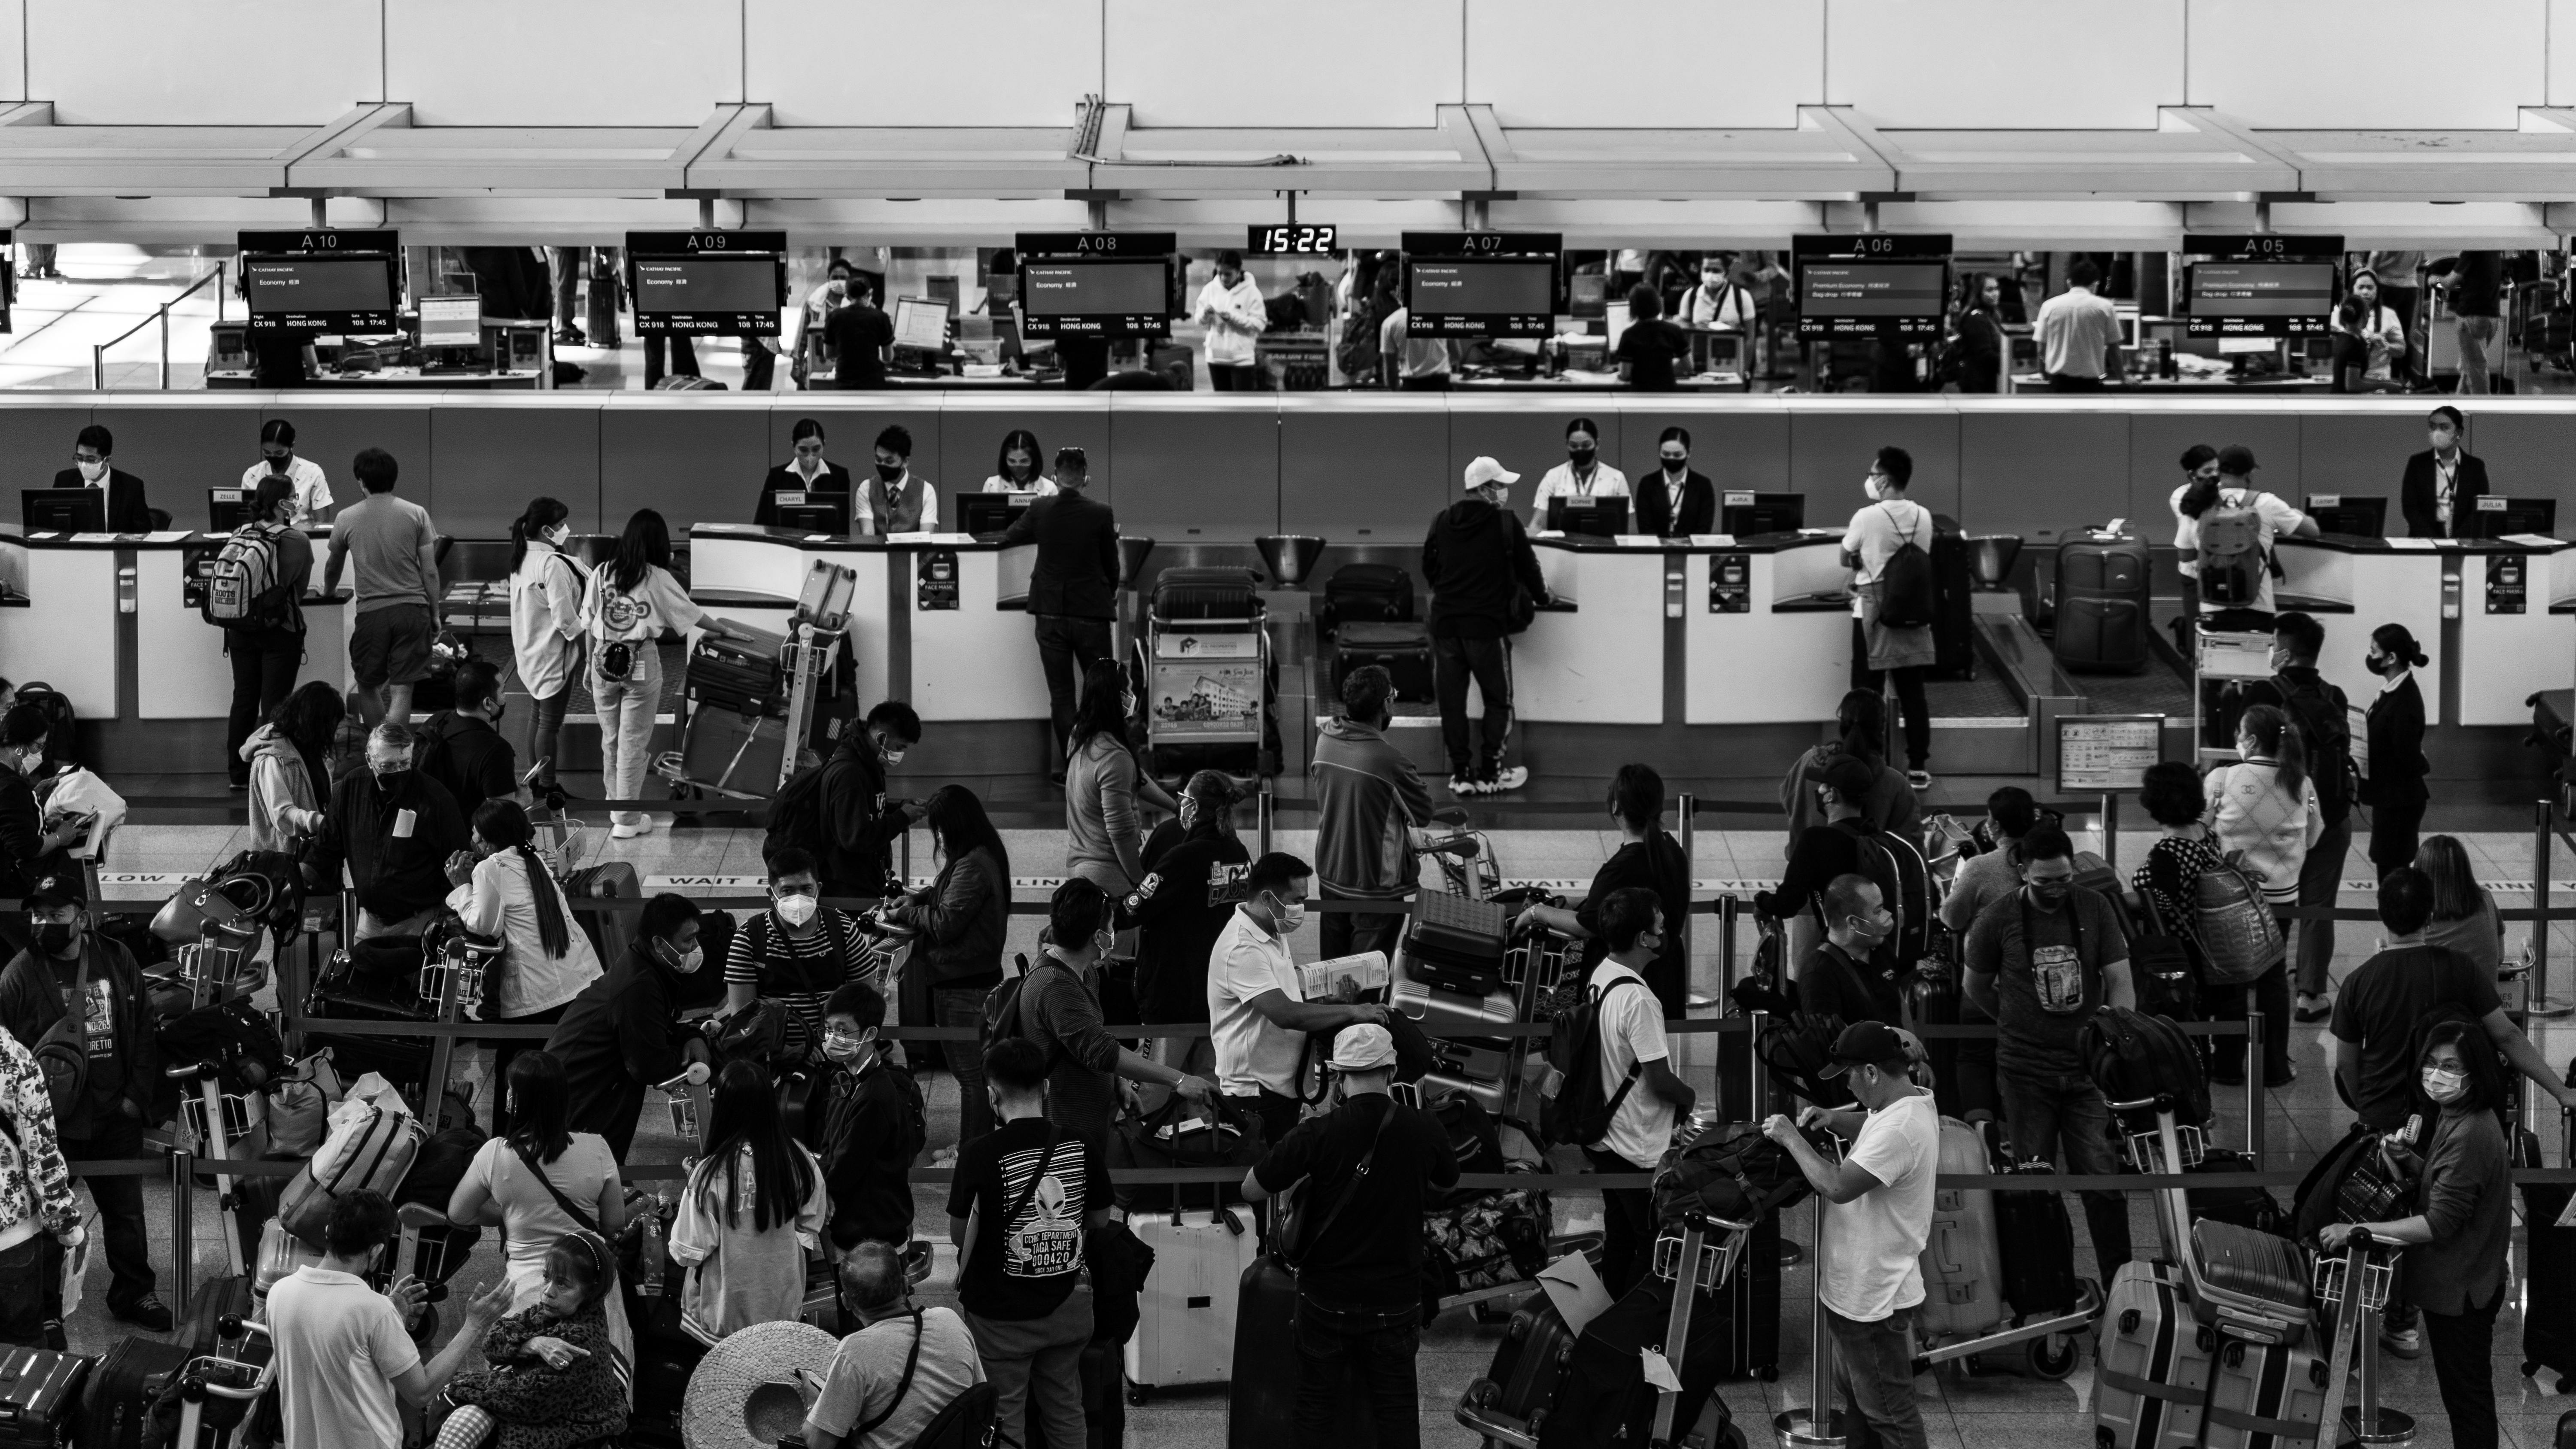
(797, 952)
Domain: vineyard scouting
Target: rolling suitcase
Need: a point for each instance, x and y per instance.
(40, 1396)
(1403, 649)
(2245, 1207)
(1366, 593)
(2102, 603)
(1962, 1259)
(2036, 1243)
(1954, 621)
(117, 1406)
(1747, 1307)
(2549, 1309)
(1932, 999)
(2152, 1362)
(741, 676)
(1519, 1390)
(1207, 593)
(1186, 1313)
(2264, 1396)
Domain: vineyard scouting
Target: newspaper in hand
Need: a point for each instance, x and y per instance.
(1321, 980)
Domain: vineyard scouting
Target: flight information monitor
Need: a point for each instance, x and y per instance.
(2260, 285)
(1482, 283)
(1872, 285)
(321, 281)
(1097, 283)
(708, 283)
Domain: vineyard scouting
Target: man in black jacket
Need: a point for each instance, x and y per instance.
(126, 510)
(1475, 559)
(395, 829)
(2443, 482)
(463, 751)
(1074, 588)
(859, 822)
(873, 1124)
(623, 1033)
(31, 844)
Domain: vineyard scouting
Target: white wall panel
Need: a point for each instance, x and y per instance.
(13, 49)
(2562, 52)
(1226, 62)
(2006, 63)
(2469, 64)
(905, 63)
(1646, 62)
(205, 62)
(516, 63)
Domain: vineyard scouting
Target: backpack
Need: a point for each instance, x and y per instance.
(916, 1109)
(2239, 939)
(765, 1032)
(1580, 1114)
(1908, 595)
(1002, 1019)
(2231, 552)
(242, 588)
(1896, 867)
(2325, 730)
(62, 1055)
(2132, 1055)
(796, 815)
(1731, 1172)
(1357, 353)
(367, 1153)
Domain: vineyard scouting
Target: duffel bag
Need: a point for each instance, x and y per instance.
(1182, 1135)
(1731, 1172)
(369, 1149)
(1494, 1239)
(2133, 1056)
(1798, 1047)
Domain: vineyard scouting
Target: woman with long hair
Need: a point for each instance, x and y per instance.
(1020, 467)
(540, 1182)
(2465, 917)
(2262, 811)
(963, 916)
(1980, 326)
(546, 588)
(1104, 830)
(290, 777)
(545, 959)
(753, 1208)
(2394, 789)
(624, 613)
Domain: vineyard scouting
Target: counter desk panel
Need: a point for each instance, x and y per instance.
(1772, 642)
(1600, 661)
(67, 634)
(2485, 612)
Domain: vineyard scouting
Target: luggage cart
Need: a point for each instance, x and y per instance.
(236, 1380)
(1204, 671)
(751, 709)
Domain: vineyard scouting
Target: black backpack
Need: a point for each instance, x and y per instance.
(796, 814)
(1002, 1018)
(1904, 881)
(1908, 595)
(2325, 732)
(1579, 1114)
(2132, 1056)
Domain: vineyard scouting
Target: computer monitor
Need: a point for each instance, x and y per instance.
(227, 509)
(63, 510)
(1747, 514)
(815, 512)
(451, 321)
(921, 323)
(979, 512)
(2349, 513)
(1599, 517)
(2518, 515)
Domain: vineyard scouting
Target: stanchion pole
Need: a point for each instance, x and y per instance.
(183, 1232)
(1819, 1425)
(2537, 1000)
(2254, 1074)
(1690, 872)
(2111, 830)
(1266, 809)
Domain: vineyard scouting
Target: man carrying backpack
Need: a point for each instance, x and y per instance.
(1894, 598)
(851, 822)
(2325, 728)
(2225, 530)
(463, 749)
(255, 594)
(1622, 1096)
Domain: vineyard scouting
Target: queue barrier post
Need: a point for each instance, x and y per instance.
(183, 1229)
(2538, 1001)
(2255, 1073)
(1820, 1424)
(1690, 871)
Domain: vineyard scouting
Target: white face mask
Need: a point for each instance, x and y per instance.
(2445, 1086)
(559, 535)
(92, 472)
(687, 962)
(796, 910)
(1290, 917)
(892, 754)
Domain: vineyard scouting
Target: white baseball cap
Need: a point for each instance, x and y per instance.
(1364, 1048)
(1486, 470)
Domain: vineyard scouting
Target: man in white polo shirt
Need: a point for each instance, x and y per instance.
(1878, 1215)
(1258, 1014)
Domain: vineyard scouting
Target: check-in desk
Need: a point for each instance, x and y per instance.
(1767, 636)
(958, 648)
(2497, 618)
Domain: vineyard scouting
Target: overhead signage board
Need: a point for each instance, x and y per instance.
(2102, 754)
(2260, 284)
(1875, 284)
(322, 281)
(707, 283)
(1097, 283)
(1483, 283)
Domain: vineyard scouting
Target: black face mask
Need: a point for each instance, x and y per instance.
(2050, 893)
(53, 937)
(1581, 457)
(889, 474)
(392, 781)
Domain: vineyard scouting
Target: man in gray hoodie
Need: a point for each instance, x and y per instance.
(1373, 802)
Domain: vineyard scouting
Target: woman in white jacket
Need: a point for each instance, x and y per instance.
(2263, 815)
(546, 586)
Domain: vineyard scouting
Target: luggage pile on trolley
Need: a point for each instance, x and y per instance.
(1204, 671)
(755, 707)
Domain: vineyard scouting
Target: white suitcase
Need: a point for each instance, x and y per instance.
(1185, 1316)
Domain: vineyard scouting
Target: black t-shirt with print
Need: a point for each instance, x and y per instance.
(2048, 969)
(1025, 1268)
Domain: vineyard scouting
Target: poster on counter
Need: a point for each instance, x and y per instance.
(1207, 688)
(2099, 754)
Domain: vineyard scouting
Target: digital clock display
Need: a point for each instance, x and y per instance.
(1303, 239)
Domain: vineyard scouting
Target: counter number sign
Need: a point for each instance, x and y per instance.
(2099, 754)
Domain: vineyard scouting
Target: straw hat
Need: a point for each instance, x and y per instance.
(751, 1390)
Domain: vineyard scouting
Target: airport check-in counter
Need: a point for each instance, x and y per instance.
(2498, 618)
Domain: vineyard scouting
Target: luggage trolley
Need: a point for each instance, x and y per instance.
(1205, 672)
(751, 706)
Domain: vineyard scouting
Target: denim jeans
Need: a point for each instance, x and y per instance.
(264, 664)
(1874, 1369)
(2053, 1114)
(964, 1006)
(1348, 933)
(2463, 1364)
(546, 744)
(626, 713)
(1067, 648)
(1375, 1347)
(120, 1215)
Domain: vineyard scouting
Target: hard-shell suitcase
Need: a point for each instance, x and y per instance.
(118, 1402)
(2036, 1240)
(1747, 1307)
(1186, 1313)
(2103, 581)
(1954, 624)
(2549, 1309)
(1520, 1389)
(1476, 1065)
(1262, 1405)
(745, 677)
(207, 1307)
(40, 1396)
(1932, 999)
(1207, 593)
(2264, 1396)
(2152, 1362)
(1367, 593)
(1962, 1259)
(1403, 648)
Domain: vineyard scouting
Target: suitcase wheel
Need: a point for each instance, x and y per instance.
(1137, 1394)
(1767, 1373)
(2054, 1357)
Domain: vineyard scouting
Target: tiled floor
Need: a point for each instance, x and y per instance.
(1994, 1410)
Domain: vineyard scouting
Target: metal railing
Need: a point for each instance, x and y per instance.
(161, 315)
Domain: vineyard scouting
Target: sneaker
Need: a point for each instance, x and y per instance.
(644, 825)
(148, 1313)
(2405, 1342)
(54, 1336)
(1465, 785)
(1919, 779)
(2308, 1014)
(623, 831)
(1507, 779)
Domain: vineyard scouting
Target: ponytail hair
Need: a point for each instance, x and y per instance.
(2277, 741)
(504, 826)
(541, 514)
(1863, 717)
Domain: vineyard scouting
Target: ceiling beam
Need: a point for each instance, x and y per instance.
(714, 139)
(2211, 123)
(336, 137)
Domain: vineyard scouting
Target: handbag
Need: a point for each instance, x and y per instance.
(616, 659)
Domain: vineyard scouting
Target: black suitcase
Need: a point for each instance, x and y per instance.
(207, 1307)
(1453, 944)
(1954, 618)
(2549, 1309)
(2103, 581)
(1366, 593)
(1403, 649)
(118, 1402)
(1207, 593)
(743, 677)
(40, 1395)
(2246, 1207)
(2037, 1242)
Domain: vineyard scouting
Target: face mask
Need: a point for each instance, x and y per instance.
(2377, 663)
(559, 535)
(843, 1048)
(892, 754)
(797, 910)
(1676, 465)
(2050, 893)
(1290, 917)
(889, 474)
(1189, 813)
(2445, 1086)
(53, 937)
(685, 962)
(1127, 705)
(391, 779)
(92, 472)
(2443, 438)
(1580, 457)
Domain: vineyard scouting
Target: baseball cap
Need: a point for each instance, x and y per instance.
(1864, 1043)
(2236, 458)
(1486, 470)
(54, 892)
(1365, 1048)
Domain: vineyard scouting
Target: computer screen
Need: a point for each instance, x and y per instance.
(920, 322)
(1597, 517)
(63, 510)
(979, 512)
(1096, 297)
(1747, 514)
(818, 513)
(691, 285)
(2518, 515)
(451, 321)
(227, 509)
(318, 284)
(2352, 514)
